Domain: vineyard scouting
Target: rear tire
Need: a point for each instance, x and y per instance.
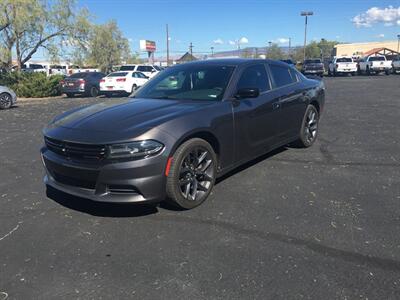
(69, 95)
(134, 87)
(94, 92)
(387, 72)
(192, 174)
(309, 128)
(5, 101)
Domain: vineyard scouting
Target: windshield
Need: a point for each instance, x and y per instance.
(312, 61)
(191, 82)
(117, 74)
(344, 59)
(376, 58)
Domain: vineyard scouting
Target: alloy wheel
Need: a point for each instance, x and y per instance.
(5, 101)
(196, 174)
(311, 126)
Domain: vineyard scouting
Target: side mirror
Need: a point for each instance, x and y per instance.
(247, 93)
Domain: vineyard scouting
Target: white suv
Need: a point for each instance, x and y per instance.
(148, 70)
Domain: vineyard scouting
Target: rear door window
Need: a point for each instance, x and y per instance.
(282, 75)
(254, 77)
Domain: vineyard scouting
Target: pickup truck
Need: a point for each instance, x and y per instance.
(374, 64)
(342, 65)
(396, 65)
(313, 67)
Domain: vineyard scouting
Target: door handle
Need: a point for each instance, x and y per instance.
(276, 105)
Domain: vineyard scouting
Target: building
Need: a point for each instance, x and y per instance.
(360, 49)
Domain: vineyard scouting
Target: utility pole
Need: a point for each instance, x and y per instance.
(191, 49)
(167, 45)
(212, 51)
(305, 14)
(290, 46)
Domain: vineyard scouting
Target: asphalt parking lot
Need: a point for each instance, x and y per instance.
(318, 223)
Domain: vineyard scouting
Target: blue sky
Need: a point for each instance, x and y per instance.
(207, 23)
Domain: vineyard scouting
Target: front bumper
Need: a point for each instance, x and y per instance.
(119, 182)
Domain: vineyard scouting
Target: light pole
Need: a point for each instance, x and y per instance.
(212, 51)
(166, 27)
(398, 43)
(290, 46)
(305, 14)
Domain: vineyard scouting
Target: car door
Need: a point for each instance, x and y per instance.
(290, 93)
(256, 119)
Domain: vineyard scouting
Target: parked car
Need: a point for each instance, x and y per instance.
(396, 65)
(33, 68)
(86, 83)
(7, 97)
(57, 70)
(342, 65)
(289, 62)
(148, 70)
(173, 142)
(122, 82)
(374, 64)
(72, 69)
(313, 67)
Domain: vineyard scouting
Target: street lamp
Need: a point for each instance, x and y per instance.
(398, 43)
(212, 51)
(305, 14)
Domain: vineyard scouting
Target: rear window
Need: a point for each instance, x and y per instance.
(79, 75)
(118, 74)
(282, 75)
(312, 61)
(254, 77)
(376, 58)
(344, 59)
(127, 68)
(36, 66)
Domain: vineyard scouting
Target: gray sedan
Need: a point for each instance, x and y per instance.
(7, 97)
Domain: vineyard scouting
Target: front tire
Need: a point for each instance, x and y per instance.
(309, 127)
(5, 101)
(192, 174)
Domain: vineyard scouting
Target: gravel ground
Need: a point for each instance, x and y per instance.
(318, 223)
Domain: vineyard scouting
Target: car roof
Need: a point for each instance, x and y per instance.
(232, 61)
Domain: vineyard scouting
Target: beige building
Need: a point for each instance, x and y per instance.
(358, 49)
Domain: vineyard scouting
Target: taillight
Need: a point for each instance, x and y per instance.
(81, 81)
(337, 65)
(102, 80)
(62, 82)
(121, 79)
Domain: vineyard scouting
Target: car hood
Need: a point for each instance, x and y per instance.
(122, 117)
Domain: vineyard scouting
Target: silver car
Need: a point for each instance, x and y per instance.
(7, 97)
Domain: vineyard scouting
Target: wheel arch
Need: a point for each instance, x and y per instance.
(204, 134)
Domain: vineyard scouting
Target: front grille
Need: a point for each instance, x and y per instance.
(75, 150)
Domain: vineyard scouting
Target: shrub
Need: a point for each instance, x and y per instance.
(32, 84)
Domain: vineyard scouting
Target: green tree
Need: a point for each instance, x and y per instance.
(39, 24)
(107, 46)
(313, 50)
(275, 52)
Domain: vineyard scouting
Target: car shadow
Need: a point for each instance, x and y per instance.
(252, 163)
(126, 210)
(100, 209)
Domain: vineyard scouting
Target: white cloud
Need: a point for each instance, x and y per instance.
(130, 40)
(281, 41)
(381, 35)
(243, 40)
(375, 15)
(218, 41)
(388, 24)
(232, 43)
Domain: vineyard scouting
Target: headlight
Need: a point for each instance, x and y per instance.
(139, 149)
